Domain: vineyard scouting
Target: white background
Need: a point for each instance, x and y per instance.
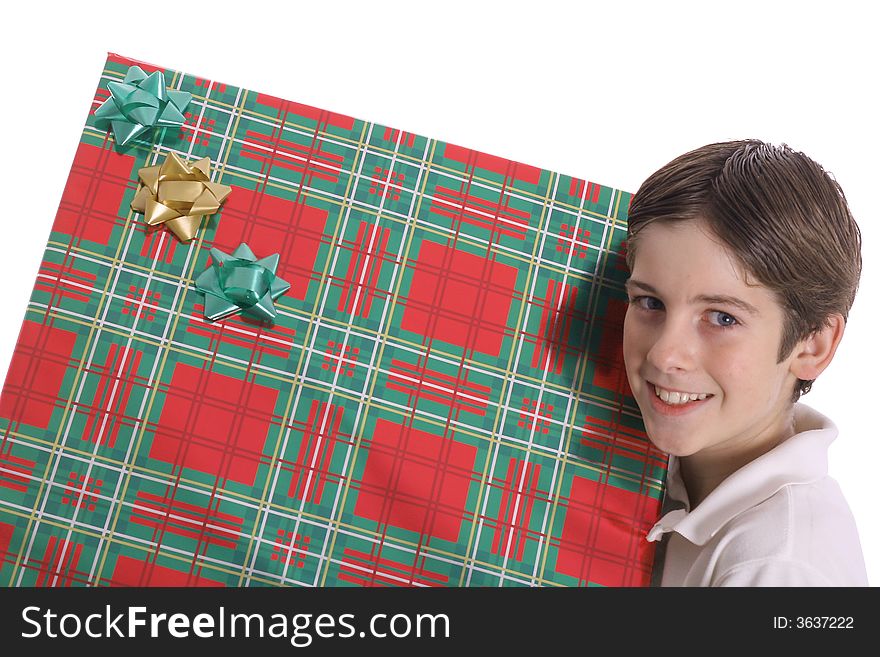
(603, 91)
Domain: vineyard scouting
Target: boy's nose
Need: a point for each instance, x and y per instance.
(673, 349)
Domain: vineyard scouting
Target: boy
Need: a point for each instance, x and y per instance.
(744, 262)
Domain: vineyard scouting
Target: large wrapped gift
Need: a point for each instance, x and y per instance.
(273, 345)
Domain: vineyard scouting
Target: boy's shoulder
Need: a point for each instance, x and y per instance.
(785, 498)
(735, 502)
(803, 532)
(779, 520)
(795, 516)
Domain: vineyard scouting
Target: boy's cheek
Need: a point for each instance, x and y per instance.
(630, 352)
(631, 329)
(637, 339)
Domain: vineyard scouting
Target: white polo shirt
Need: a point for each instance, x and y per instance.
(777, 521)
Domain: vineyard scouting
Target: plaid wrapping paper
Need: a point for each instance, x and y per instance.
(441, 401)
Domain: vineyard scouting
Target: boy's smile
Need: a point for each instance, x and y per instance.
(701, 348)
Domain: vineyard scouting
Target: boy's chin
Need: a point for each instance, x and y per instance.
(677, 452)
(671, 445)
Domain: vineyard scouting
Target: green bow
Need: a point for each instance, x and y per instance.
(241, 283)
(140, 103)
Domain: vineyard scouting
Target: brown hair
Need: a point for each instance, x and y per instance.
(779, 213)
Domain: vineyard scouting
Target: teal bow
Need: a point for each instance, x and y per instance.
(241, 283)
(140, 103)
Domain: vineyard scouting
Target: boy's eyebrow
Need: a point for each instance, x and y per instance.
(703, 298)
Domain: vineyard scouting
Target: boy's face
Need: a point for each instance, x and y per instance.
(694, 326)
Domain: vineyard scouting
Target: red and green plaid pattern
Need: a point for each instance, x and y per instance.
(441, 401)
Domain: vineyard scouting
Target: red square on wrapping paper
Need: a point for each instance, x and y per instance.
(460, 298)
(604, 536)
(92, 199)
(416, 481)
(214, 424)
(6, 531)
(36, 373)
(131, 572)
(273, 225)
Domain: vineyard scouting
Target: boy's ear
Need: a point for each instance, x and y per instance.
(813, 354)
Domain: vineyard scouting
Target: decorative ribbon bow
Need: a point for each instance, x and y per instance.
(140, 103)
(241, 283)
(178, 195)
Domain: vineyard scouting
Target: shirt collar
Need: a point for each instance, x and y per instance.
(803, 458)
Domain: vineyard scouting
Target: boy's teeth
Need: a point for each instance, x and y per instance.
(678, 397)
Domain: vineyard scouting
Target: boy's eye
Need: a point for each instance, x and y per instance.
(722, 319)
(647, 303)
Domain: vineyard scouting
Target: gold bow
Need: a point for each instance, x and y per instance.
(178, 195)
